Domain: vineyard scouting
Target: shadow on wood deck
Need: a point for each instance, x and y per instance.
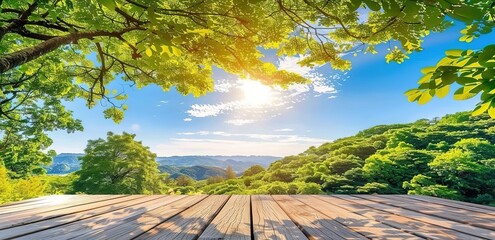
(245, 217)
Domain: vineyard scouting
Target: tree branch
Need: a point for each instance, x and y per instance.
(15, 59)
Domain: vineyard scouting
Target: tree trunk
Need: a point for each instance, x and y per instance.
(15, 59)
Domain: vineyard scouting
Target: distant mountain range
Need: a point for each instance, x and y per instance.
(65, 163)
(197, 167)
(196, 172)
(238, 163)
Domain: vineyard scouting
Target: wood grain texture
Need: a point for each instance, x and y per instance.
(189, 223)
(452, 204)
(75, 229)
(23, 219)
(313, 223)
(359, 223)
(36, 226)
(170, 206)
(271, 222)
(232, 222)
(51, 203)
(419, 224)
(454, 214)
(245, 217)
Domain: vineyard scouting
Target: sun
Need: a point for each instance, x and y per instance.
(256, 94)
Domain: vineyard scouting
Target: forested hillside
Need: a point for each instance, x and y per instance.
(195, 172)
(451, 157)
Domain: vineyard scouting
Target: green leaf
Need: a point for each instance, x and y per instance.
(427, 70)
(425, 97)
(480, 109)
(354, 4)
(449, 77)
(426, 78)
(466, 80)
(202, 31)
(468, 12)
(488, 74)
(466, 92)
(443, 91)
(491, 112)
(413, 95)
(149, 52)
(110, 4)
(372, 5)
(454, 53)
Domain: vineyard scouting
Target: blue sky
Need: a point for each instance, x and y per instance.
(245, 118)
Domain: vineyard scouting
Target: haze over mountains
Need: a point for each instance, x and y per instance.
(197, 167)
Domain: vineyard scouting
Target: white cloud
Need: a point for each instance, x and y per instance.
(250, 105)
(291, 64)
(239, 122)
(135, 127)
(257, 136)
(284, 130)
(187, 119)
(206, 110)
(321, 88)
(223, 143)
(164, 101)
(224, 86)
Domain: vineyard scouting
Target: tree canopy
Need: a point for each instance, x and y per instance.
(176, 43)
(61, 50)
(450, 157)
(118, 164)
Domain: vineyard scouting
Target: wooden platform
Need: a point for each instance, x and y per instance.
(245, 217)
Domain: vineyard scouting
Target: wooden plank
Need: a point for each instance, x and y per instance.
(361, 224)
(271, 222)
(70, 218)
(53, 202)
(458, 215)
(37, 226)
(190, 223)
(451, 207)
(23, 219)
(232, 222)
(23, 202)
(419, 224)
(120, 216)
(452, 203)
(128, 230)
(35, 203)
(312, 222)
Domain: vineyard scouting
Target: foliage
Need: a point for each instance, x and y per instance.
(451, 157)
(214, 179)
(55, 51)
(255, 169)
(424, 185)
(19, 189)
(183, 181)
(60, 184)
(229, 173)
(176, 43)
(118, 164)
(195, 172)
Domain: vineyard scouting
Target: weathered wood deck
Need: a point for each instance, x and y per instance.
(245, 217)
